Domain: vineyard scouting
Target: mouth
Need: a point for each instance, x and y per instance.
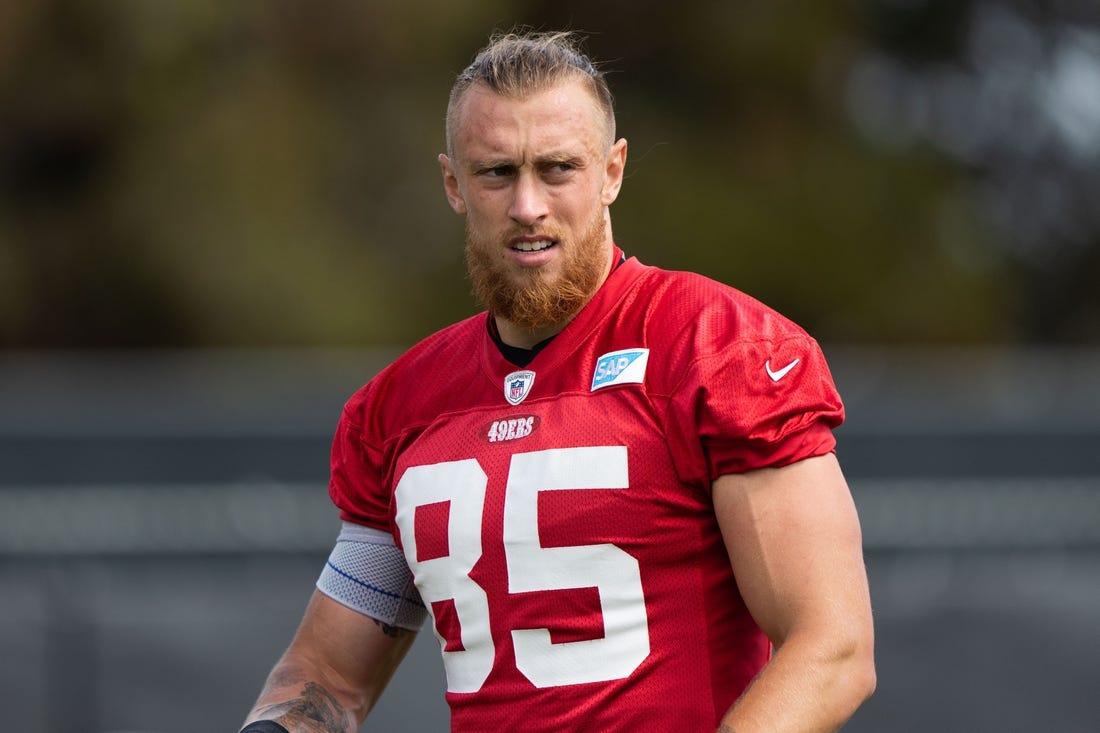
(532, 244)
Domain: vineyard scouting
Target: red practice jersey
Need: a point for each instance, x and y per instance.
(557, 518)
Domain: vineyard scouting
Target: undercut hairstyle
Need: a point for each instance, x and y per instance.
(518, 65)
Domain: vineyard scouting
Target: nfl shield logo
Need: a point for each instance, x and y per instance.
(517, 386)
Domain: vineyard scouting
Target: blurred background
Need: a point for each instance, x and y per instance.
(218, 219)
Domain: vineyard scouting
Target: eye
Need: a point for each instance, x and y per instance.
(497, 171)
(559, 170)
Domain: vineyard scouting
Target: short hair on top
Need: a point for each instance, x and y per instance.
(517, 65)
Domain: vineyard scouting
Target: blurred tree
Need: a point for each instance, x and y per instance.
(1010, 97)
(263, 173)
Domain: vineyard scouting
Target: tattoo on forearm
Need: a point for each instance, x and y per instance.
(394, 631)
(315, 710)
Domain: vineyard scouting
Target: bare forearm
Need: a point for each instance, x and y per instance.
(803, 689)
(301, 704)
(334, 671)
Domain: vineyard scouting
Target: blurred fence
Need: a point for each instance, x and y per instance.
(163, 516)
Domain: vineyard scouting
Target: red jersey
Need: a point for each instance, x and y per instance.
(557, 518)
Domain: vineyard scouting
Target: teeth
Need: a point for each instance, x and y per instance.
(532, 246)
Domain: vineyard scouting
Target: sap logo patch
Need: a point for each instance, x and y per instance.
(499, 431)
(620, 367)
(517, 386)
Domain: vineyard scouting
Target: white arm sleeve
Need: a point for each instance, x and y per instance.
(368, 573)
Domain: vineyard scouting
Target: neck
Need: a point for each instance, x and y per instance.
(525, 338)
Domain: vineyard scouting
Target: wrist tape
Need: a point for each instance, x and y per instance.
(264, 726)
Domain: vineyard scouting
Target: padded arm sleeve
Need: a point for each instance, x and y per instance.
(367, 572)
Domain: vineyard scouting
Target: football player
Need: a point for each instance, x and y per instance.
(613, 496)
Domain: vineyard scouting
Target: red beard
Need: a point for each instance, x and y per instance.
(530, 301)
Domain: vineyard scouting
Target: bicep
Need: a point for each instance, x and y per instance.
(794, 542)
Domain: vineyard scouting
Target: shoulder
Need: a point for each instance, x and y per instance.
(438, 364)
(706, 335)
(701, 313)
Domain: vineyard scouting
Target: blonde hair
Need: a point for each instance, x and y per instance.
(517, 65)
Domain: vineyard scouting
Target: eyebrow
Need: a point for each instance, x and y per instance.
(560, 157)
(552, 158)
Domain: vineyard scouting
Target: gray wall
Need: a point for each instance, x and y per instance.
(163, 517)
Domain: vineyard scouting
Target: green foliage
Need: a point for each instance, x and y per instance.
(264, 173)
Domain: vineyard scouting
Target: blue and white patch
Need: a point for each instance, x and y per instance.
(517, 386)
(620, 367)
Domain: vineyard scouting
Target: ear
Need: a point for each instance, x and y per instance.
(450, 185)
(613, 172)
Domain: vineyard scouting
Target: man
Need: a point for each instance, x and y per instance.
(615, 492)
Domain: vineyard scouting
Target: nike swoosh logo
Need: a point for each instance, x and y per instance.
(777, 375)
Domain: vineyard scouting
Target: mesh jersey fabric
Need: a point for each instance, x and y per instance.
(566, 546)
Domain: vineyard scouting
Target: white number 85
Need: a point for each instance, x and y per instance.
(530, 567)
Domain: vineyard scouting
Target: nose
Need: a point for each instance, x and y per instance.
(528, 201)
